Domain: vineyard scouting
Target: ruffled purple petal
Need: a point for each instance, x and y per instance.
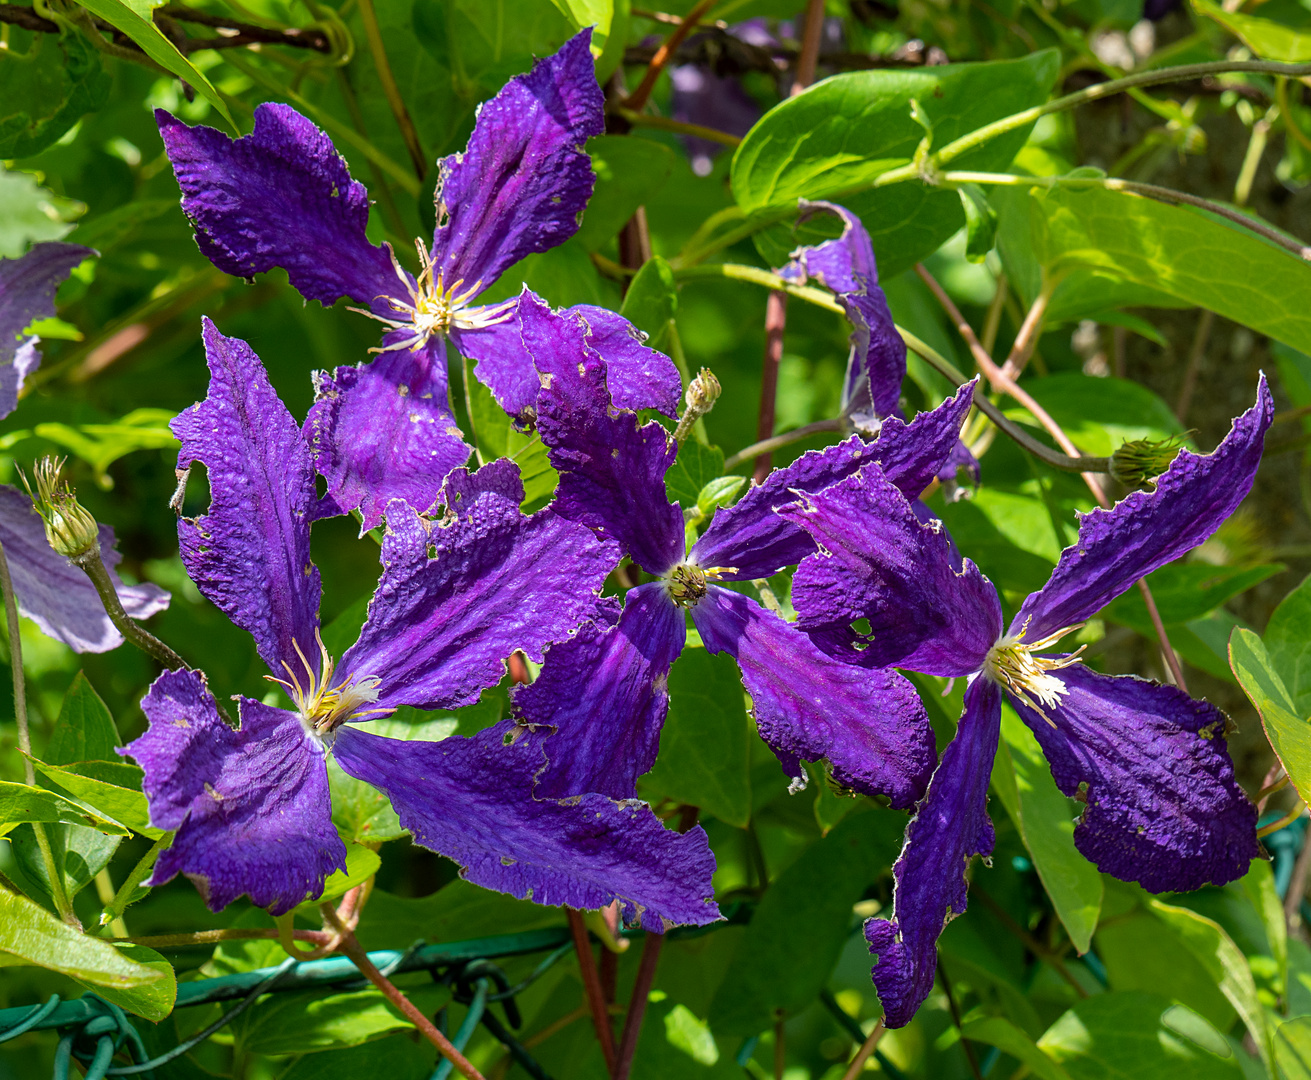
(605, 691)
(27, 293)
(751, 536)
(1163, 807)
(638, 377)
(503, 365)
(384, 431)
(949, 829)
(870, 726)
(55, 594)
(471, 800)
(250, 808)
(524, 178)
(611, 467)
(845, 264)
(458, 595)
(280, 196)
(250, 554)
(1146, 530)
(877, 561)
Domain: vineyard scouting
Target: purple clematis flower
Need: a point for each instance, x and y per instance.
(282, 197)
(876, 367)
(49, 589)
(1162, 805)
(603, 692)
(457, 595)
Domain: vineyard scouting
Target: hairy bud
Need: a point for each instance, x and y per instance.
(1137, 463)
(702, 393)
(70, 529)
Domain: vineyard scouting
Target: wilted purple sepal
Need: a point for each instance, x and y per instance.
(250, 554)
(384, 431)
(1146, 530)
(250, 808)
(1163, 806)
(950, 827)
(605, 691)
(751, 536)
(458, 596)
(27, 293)
(611, 468)
(877, 561)
(869, 725)
(471, 800)
(55, 594)
(524, 178)
(280, 196)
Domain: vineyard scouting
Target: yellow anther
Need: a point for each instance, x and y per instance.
(686, 582)
(1010, 663)
(322, 706)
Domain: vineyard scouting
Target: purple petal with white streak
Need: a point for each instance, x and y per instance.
(524, 178)
(605, 691)
(1163, 807)
(1148, 529)
(870, 726)
(751, 536)
(950, 827)
(55, 594)
(250, 808)
(877, 561)
(458, 595)
(250, 554)
(471, 800)
(611, 467)
(384, 431)
(279, 197)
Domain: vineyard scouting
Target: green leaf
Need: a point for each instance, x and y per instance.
(119, 798)
(794, 938)
(694, 468)
(1226, 965)
(1259, 888)
(361, 864)
(80, 852)
(1286, 36)
(20, 803)
(298, 1023)
(1293, 1049)
(153, 1000)
(1288, 640)
(845, 131)
(100, 445)
(1285, 724)
(44, 91)
(29, 213)
(1045, 819)
(1185, 591)
(1160, 246)
(705, 746)
(84, 730)
(396, 1058)
(719, 492)
(136, 23)
(629, 171)
(651, 302)
(29, 934)
(999, 1032)
(1099, 414)
(980, 222)
(1136, 1036)
(457, 912)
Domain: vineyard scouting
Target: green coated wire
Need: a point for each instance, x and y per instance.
(467, 1027)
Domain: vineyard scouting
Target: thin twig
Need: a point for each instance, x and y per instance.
(955, 1019)
(866, 1048)
(1163, 639)
(679, 127)
(352, 948)
(809, 56)
(209, 937)
(1041, 951)
(776, 314)
(409, 133)
(119, 904)
(592, 988)
(1283, 822)
(638, 98)
(646, 971)
(1195, 355)
(766, 446)
(1029, 331)
(94, 568)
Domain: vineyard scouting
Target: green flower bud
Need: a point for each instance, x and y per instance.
(702, 393)
(1137, 463)
(70, 529)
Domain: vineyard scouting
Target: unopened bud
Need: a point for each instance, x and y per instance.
(1137, 463)
(70, 529)
(702, 393)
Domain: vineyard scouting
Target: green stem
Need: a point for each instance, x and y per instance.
(57, 893)
(409, 133)
(119, 904)
(756, 276)
(663, 123)
(94, 568)
(768, 446)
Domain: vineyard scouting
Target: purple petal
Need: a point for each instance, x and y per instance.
(280, 196)
(459, 595)
(638, 377)
(605, 691)
(27, 293)
(250, 554)
(869, 725)
(471, 800)
(384, 431)
(503, 365)
(751, 536)
(1146, 530)
(524, 178)
(1163, 806)
(842, 265)
(950, 827)
(55, 594)
(611, 467)
(250, 808)
(876, 561)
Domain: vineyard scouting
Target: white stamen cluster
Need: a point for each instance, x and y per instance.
(1010, 664)
(323, 707)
